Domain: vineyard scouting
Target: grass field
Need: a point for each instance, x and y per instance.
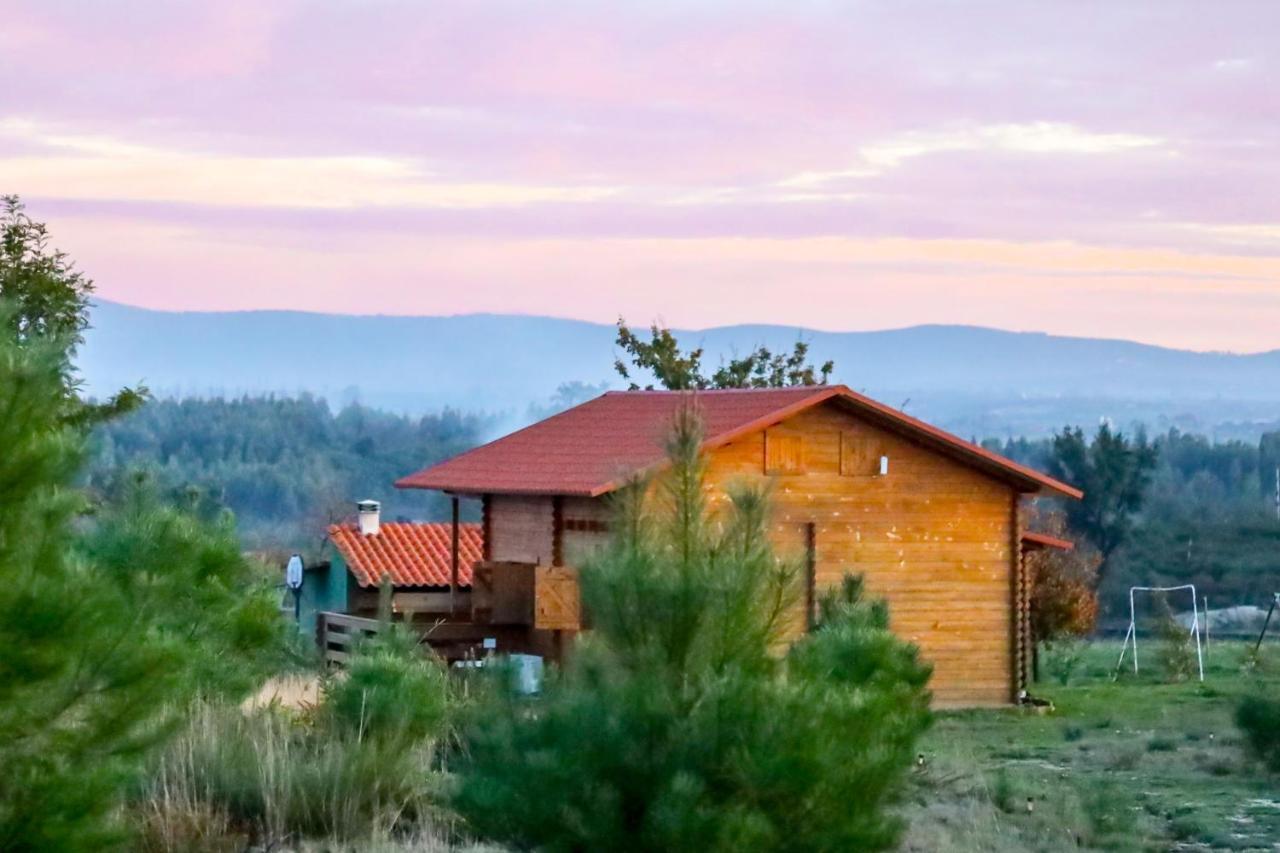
(1136, 763)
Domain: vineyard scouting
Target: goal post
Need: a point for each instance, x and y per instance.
(1131, 635)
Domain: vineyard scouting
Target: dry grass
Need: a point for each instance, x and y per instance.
(269, 778)
(294, 692)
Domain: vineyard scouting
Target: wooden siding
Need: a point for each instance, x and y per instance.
(935, 538)
(586, 528)
(521, 529)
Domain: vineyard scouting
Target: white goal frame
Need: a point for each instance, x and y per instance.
(1131, 636)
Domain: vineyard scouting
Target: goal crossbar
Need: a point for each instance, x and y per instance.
(1131, 636)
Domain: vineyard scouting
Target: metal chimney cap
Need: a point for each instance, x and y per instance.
(368, 506)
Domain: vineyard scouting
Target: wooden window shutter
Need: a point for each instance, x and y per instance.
(783, 453)
(858, 456)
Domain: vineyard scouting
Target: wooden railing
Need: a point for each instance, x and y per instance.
(338, 633)
(506, 602)
(417, 603)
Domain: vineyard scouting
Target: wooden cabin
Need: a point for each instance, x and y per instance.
(933, 522)
(417, 560)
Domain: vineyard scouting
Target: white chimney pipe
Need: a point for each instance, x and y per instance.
(369, 514)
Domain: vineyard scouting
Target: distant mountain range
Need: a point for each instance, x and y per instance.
(976, 381)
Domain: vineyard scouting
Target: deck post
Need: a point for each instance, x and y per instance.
(453, 560)
(810, 574)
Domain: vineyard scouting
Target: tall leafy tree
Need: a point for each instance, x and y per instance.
(1114, 472)
(49, 299)
(678, 370)
(676, 725)
(1064, 588)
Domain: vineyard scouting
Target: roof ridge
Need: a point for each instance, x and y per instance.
(580, 451)
(780, 389)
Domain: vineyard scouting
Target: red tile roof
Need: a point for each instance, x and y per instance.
(593, 448)
(1037, 541)
(410, 554)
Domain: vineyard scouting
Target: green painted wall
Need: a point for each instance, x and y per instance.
(324, 588)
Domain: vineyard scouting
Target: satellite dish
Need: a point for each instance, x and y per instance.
(293, 573)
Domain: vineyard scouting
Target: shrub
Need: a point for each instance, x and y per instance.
(1259, 719)
(1064, 598)
(1064, 660)
(676, 725)
(1177, 655)
(391, 691)
(1003, 794)
(268, 776)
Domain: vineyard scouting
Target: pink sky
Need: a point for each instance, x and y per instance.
(1103, 169)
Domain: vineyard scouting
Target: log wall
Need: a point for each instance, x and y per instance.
(521, 529)
(933, 537)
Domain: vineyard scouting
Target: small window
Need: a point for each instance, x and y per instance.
(783, 453)
(859, 457)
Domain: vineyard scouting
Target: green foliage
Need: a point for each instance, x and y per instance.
(287, 468)
(1064, 659)
(684, 589)
(103, 637)
(1207, 517)
(675, 725)
(47, 295)
(47, 299)
(1113, 472)
(266, 775)
(392, 691)
(1177, 655)
(362, 762)
(189, 583)
(676, 370)
(567, 395)
(1258, 716)
(1118, 766)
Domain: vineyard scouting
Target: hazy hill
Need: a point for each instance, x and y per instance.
(975, 380)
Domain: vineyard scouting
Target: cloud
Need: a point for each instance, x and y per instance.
(1041, 137)
(277, 130)
(100, 168)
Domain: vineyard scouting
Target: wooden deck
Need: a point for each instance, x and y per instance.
(337, 634)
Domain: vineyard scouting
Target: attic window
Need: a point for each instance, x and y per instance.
(858, 456)
(783, 453)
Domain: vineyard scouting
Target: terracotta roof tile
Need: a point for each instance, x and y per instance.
(593, 448)
(410, 554)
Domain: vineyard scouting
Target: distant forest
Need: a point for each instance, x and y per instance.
(1209, 518)
(286, 467)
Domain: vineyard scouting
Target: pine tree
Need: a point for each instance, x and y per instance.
(677, 724)
(47, 298)
(109, 625)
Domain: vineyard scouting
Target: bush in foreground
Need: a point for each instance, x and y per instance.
(392, 691)
(265, 777)
(677, 725)
(1259, 718)
(362, 764)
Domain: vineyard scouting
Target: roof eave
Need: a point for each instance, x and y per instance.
(1025, 480)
